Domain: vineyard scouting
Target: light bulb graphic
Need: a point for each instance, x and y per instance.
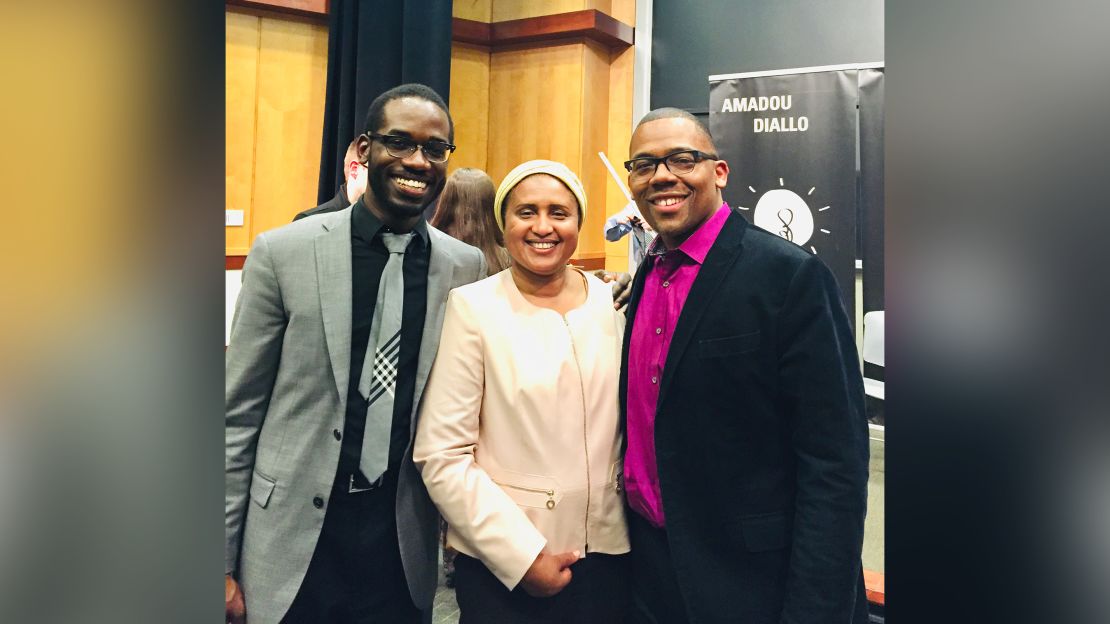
(785, 213)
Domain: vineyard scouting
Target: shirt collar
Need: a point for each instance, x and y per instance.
(367, 225)
(698, 244)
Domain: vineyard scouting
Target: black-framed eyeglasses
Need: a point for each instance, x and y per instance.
(403, 147)
(678, 163)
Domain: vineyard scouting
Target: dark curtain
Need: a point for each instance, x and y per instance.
(373, 46)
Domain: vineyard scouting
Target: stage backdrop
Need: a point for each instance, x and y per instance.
(791, 140)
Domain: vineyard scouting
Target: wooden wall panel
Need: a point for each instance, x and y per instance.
(623, 10)
(292, 82)
(556, 101)
(535, 102)
(620, 129)
(477, 10)
(620, 132)
(276, 71)
(595, 138)
(470, 74)
(241, 63)
(314, 9)
(505, 10)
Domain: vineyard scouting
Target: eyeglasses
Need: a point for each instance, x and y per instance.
(678, 163)
(403, 147)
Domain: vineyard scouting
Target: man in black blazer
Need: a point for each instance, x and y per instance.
(354, 176)
(747, 444)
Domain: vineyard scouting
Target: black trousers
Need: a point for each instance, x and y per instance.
(656, 598)
(597, 592)
(355, 575)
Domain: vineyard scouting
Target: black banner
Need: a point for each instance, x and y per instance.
(791, 144)
(871, 187)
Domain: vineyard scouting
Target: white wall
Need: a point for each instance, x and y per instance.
(233, 281)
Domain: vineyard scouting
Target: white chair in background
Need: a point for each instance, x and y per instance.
(874, 352)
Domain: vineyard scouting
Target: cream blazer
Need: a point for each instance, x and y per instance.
(519, 434)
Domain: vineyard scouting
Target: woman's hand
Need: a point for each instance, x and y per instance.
(549, 574)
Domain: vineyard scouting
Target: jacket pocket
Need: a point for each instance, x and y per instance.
(528, 490)
(261, 489)
(766, 531)
(729, 345)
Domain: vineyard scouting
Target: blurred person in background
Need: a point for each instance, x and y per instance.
(354, 176)
(519, 435)
(628, 220)
(465, 211)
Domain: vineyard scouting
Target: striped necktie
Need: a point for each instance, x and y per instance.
(379, 369)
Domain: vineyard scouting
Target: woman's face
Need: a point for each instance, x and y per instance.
(541, 225)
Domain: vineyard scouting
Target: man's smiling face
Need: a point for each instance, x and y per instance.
(400, 188)
(676, 205)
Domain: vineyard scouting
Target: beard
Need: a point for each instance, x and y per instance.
(393, 202)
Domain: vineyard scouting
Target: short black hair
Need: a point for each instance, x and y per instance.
(677, 113)
(413, 89)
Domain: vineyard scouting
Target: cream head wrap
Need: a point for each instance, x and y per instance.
(554, 169)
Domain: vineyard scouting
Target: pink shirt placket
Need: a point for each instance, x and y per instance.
(666, 288)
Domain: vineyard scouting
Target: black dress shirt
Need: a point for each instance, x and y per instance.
(368, 256)
(356, 574)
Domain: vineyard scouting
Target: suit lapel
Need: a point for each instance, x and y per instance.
(333, 275)
(720, 259)
(441, 271)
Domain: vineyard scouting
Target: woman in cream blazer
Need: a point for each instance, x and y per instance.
(518, 439)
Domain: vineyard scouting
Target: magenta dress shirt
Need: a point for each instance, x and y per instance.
(666, 287)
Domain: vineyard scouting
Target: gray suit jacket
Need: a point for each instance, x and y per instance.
(286, 377)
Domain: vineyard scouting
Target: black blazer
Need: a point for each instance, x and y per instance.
(761, 437)
(335, 204)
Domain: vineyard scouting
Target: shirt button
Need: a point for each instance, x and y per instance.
(658, 330)
(654, 380)
(318, 502)
(665, 284)
(338, 436)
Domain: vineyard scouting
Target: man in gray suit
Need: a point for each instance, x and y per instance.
(309, 536)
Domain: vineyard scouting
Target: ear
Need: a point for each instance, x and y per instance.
(363, 148)
(354, 170)
(721, 170)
